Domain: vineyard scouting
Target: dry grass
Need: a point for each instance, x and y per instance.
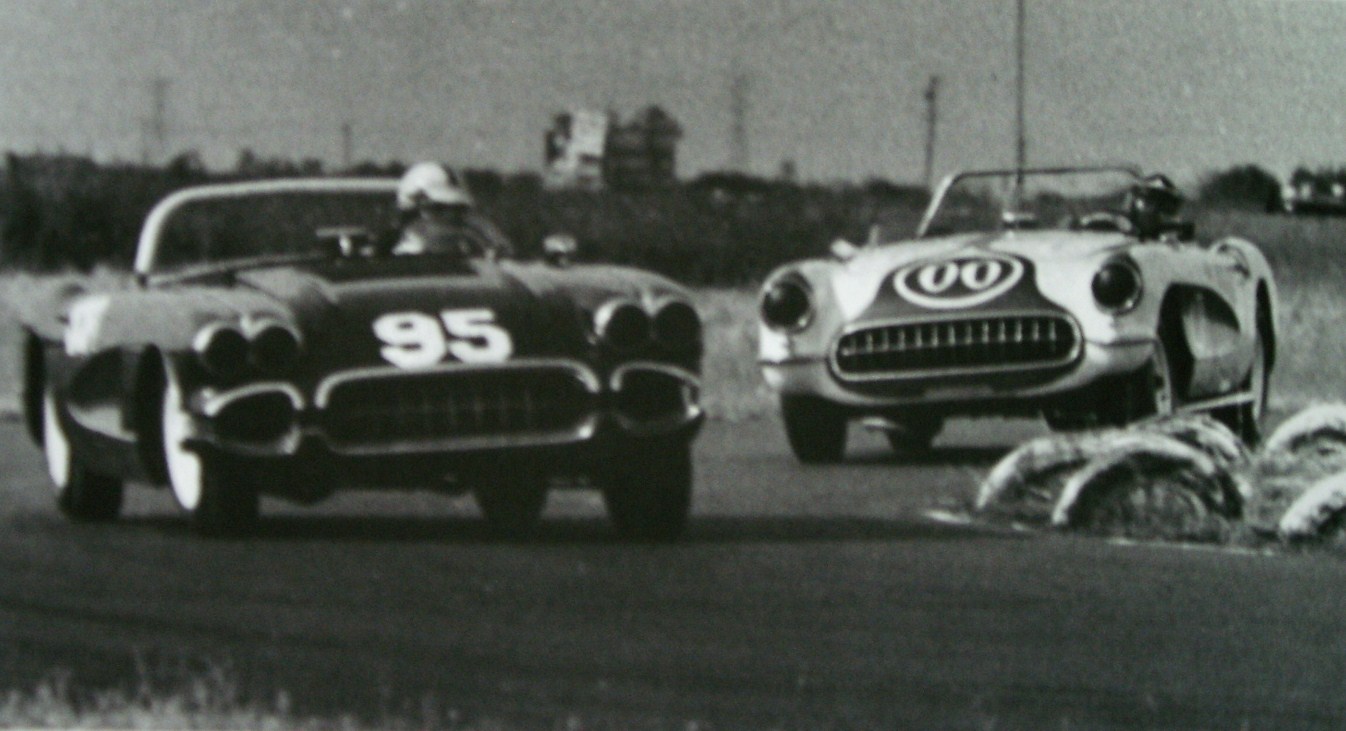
(733, 386)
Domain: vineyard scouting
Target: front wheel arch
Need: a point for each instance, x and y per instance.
(1169, 329)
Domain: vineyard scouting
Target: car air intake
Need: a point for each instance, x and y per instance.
(428, 411)
(957, 346)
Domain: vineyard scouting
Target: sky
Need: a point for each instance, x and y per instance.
(836, 86)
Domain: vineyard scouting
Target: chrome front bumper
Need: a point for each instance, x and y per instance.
(815, 376)
(450, 409)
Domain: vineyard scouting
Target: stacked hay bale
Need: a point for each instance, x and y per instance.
(1185, 478)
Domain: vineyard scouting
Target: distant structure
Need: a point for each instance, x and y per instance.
(590, 150)
(574, 149)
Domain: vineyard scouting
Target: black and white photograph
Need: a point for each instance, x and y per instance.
(673, 365)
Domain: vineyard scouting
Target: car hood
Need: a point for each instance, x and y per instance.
(337, 304)
(1005, 271)
(547, 312)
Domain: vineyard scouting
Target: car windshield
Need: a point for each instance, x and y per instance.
(272, 224)
(1029, 200)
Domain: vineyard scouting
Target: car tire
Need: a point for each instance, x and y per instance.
(915, 435)
(1155, 393)
(1245, 420)
(217, 497)
(648, 493)
(81, 494)
(816, 429)
(1149, 392)
(513, 505)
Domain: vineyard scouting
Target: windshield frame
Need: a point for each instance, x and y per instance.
(151, 233)
(950, 181)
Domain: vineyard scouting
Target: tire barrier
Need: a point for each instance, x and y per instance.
(1186, 478)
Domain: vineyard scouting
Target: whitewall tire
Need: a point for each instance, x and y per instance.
(81, 494)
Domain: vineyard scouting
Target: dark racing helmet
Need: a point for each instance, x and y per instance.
(1158, 194)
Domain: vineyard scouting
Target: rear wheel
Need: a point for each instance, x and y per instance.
(649, 493)
(217, 497)
(82, 495)
(816, 429)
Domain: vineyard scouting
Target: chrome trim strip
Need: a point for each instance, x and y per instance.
(214, 402)
(579, 433)
(1218, 402)
(586, 377)
(691, 391)
(837, 373)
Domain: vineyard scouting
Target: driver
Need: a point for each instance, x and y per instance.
(437, 216)
(1153, 205)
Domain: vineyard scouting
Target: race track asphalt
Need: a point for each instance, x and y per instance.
(816, 598)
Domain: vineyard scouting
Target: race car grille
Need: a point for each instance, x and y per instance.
(974, 345)
(471, 409)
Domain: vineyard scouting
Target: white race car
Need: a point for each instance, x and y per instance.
(1025, 292)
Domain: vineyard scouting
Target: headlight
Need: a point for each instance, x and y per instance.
(677, 326)
(222, 349)
(275, 348)
(622, 324)
(787, 305)
(1117, 286)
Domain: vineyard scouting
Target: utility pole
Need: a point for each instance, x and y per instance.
(931, 121)
(738, 109)
(347, 145)
(1020, 144)
(159, 117)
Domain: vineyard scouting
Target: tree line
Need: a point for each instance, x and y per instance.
(61, 212)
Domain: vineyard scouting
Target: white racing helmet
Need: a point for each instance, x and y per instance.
(430, 182)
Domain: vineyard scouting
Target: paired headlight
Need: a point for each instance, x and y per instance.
(1117, 286)
(677, 325)
(625, 325)
(227, 351)
(787, 304)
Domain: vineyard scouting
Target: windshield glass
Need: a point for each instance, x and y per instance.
(1072, 199)
(272, 224)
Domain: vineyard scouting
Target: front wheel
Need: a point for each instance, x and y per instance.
(648, 492)
(1149, 392)
(914, 434)
(512, 505)
(217, 498)
(81, 495)
(816, 429)
(1245, 420)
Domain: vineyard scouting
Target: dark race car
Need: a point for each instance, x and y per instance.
(270, 343)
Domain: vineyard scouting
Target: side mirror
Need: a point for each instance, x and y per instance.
(559, 249)
(843, 250)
